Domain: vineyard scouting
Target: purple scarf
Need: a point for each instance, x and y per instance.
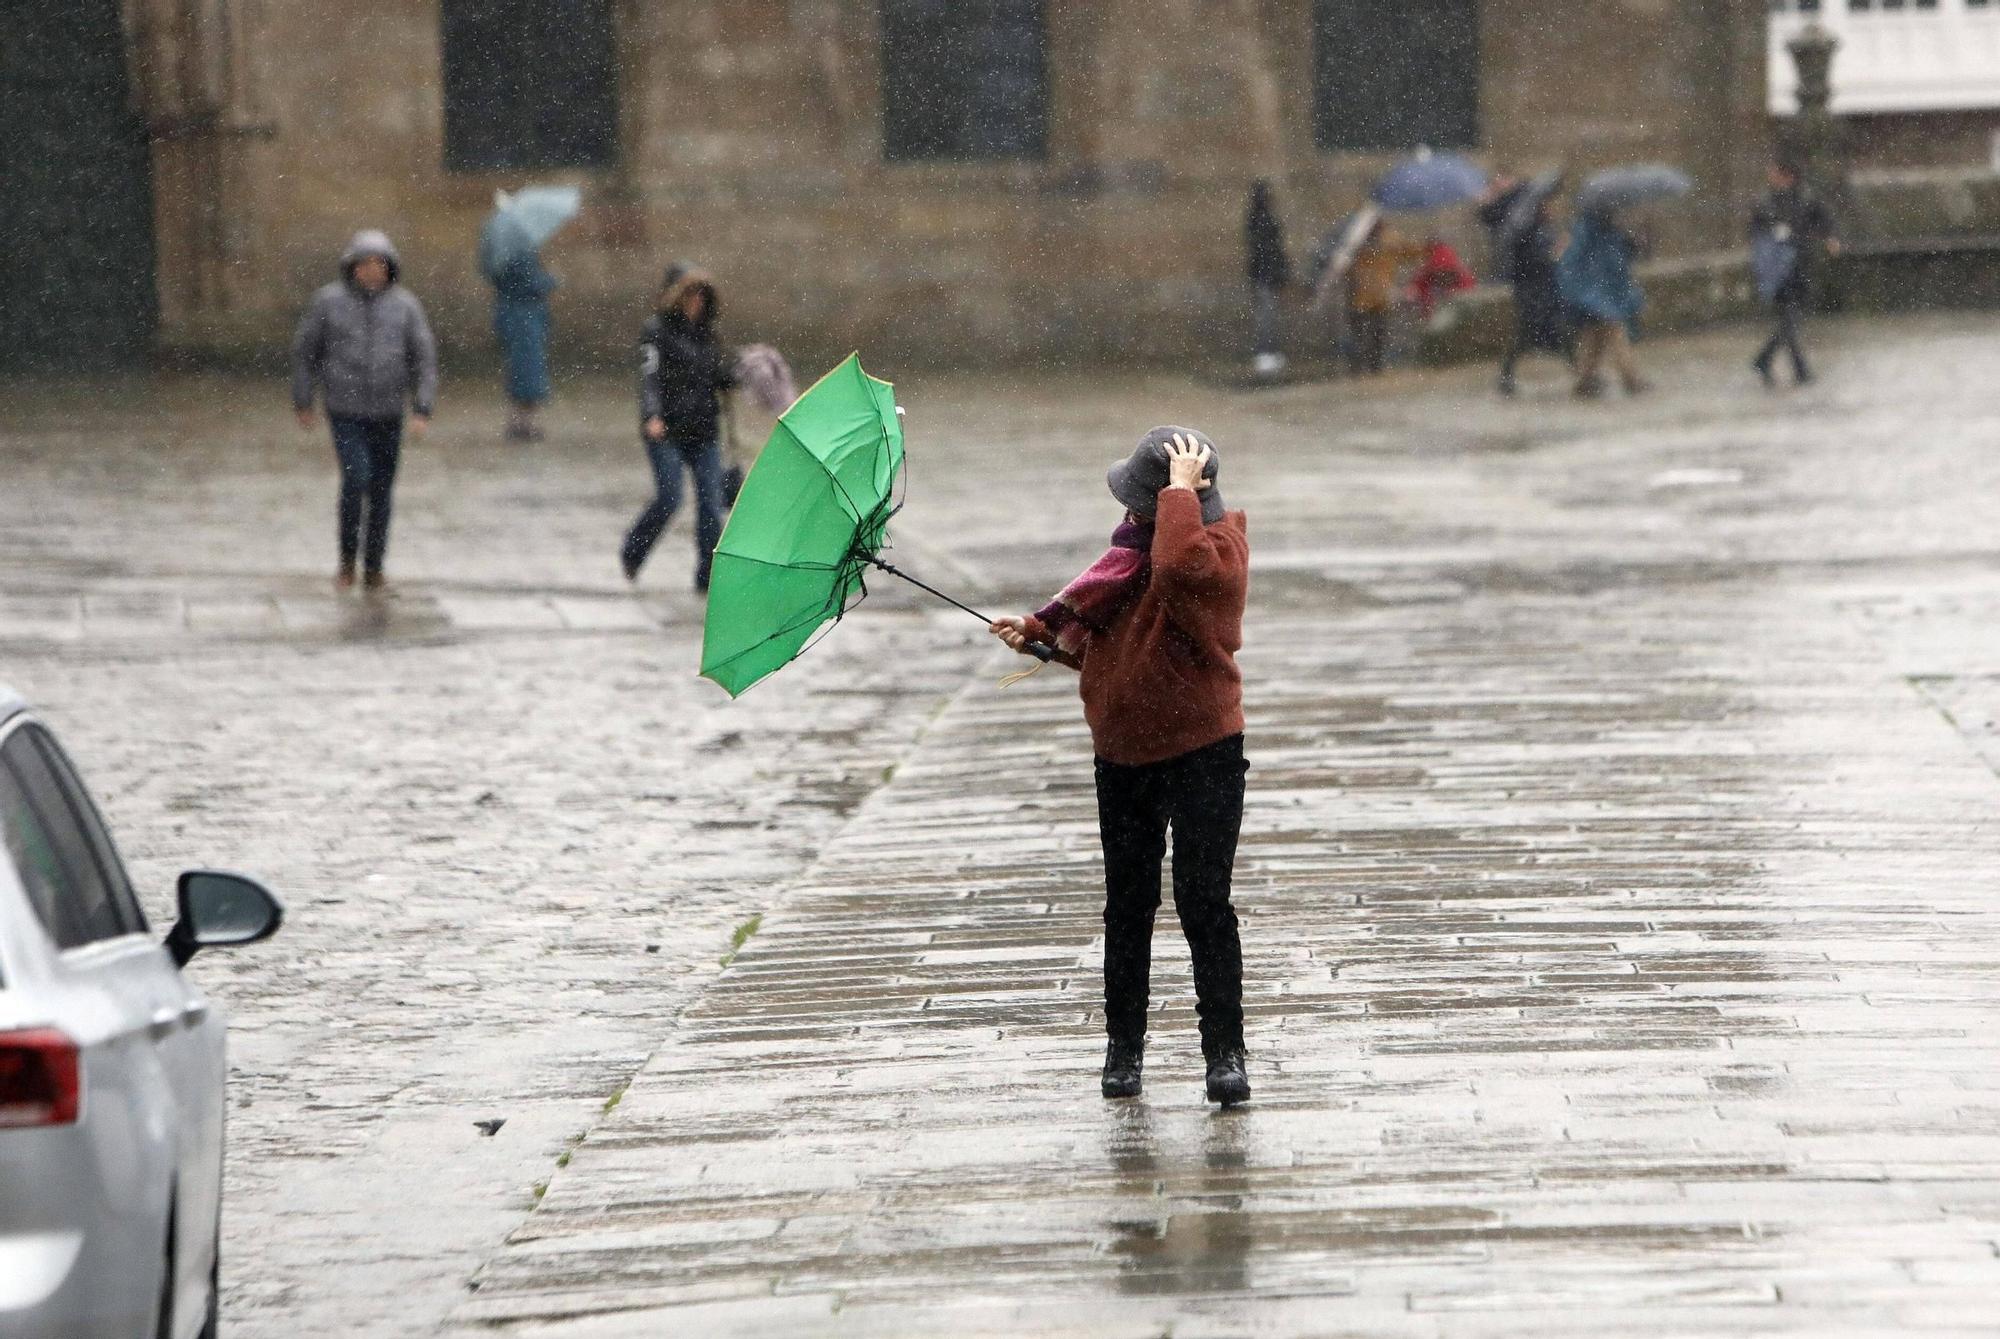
(1106, 589)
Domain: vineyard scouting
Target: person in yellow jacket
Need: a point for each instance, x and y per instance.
(1372, 280)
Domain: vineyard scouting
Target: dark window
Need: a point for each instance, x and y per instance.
(529, 84)
(92, 822)
(1393, 76)
(57, 866)
(964, 79)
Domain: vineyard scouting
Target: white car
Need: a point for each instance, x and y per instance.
(111, 1069)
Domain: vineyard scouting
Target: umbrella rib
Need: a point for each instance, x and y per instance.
(833, 478)
(800, 566)
(803, 620)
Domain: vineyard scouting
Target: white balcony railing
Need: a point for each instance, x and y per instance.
(1899, 57)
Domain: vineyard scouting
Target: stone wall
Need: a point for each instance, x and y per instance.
(1962, 140)
(751, 144)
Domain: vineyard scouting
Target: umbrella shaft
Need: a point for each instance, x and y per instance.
(1038, 650)
(895, 571)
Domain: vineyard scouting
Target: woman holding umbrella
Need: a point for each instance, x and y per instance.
(1423, 182)
(510, 257)
(1595, 277)
(1526, 245)
(1153, 627)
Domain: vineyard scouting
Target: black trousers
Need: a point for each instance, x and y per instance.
(1790, 313)
(1531, 338)
(369, 449)
(1200, 796)
(1367, 340)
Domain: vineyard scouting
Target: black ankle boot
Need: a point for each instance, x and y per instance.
(1228, 1081)
(1123, 1061)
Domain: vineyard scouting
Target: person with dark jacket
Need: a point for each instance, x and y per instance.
(1790, 230)
(1154, 627)
(1269, 271)
(683, 372)
(1528, 263)
(366, 348)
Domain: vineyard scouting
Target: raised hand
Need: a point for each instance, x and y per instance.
(1186, 460)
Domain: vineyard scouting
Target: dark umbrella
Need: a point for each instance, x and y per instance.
(1528, 199)
(1617, 188)
(1427, 180)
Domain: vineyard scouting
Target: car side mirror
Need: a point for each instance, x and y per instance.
(218, 910)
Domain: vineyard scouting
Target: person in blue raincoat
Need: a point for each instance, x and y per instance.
(1594, 278)
(521, 291)
(521, 288)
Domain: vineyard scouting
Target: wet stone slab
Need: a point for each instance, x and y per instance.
(1637, 1083)
(1618, 883)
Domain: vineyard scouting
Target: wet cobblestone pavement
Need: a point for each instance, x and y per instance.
(1619, 880)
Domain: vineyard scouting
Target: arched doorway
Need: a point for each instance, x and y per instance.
(76, 209)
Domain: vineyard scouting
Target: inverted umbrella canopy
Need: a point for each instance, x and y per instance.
(1529, 197)
(524, 222)
(1334, 255)
(1428, 180)
(811, 515)
(1617, 188)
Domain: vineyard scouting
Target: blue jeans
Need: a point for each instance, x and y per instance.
(368, 449)
(668, 458)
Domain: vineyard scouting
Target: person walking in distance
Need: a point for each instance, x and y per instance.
(1528, 263)
(1269, 271)
(521, 289)
(1154, 626)
(365, 348)
(1372, 277)
(1791, 229)
(682, 375)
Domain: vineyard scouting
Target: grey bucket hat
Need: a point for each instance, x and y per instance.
(1137, 480)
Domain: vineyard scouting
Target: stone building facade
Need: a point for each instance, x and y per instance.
(1915, 85)
(861, 173)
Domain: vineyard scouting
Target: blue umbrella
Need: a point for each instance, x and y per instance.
(542, 210)
(1617, 188)
(1429, 180)
(523, 222)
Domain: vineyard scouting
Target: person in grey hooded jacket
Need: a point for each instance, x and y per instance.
(366, 347)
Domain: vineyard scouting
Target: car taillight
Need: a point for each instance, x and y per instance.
(40, 1079)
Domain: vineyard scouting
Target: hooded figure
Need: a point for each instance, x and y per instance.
(1595, 272)
(1154, 626)
(368, 351)
(365, 348)
(683, 372)
(1595, 279)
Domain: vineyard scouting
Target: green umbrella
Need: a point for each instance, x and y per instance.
(811, 519)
